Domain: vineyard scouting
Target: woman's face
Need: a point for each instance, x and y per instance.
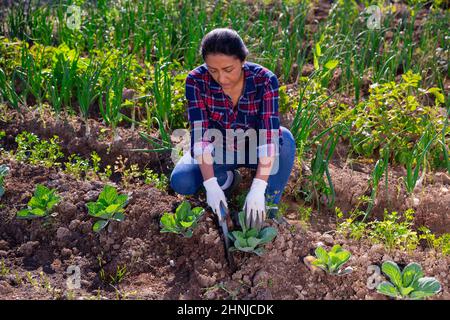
(225, 70)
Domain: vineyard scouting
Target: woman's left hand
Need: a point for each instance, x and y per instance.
(255, 204)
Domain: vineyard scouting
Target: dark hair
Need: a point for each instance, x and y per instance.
(225, 41)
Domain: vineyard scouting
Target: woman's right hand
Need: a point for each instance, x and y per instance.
(214, 195)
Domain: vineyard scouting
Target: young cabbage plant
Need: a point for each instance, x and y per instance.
(332, 261)
(183, 221)
(108, 207)
(4, 169)
(41, 204)
(407, 284)
(251, 240)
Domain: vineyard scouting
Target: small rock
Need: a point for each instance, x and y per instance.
(86, 227)
(442, 178)
(205, 281)
(3, 253)
(28, 248)
(91, 196)
(63, 234)
(74, 224)
(210, 295)
(56, 264)
(67, 208)
(66, 253)
(327, 239)
(85, 283)
(329, 296)
(288, 253)
(12, 279)
(5, 288)
(116, 246)
(4, 245)
(308, 262)
(172, 263)
(260, 278)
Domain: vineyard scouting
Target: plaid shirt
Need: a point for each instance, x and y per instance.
(209, 107)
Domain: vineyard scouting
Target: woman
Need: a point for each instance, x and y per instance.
(229, 97)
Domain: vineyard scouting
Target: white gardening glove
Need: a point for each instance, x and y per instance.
(255, 204)
(214, 195)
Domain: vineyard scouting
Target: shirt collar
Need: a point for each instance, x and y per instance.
(250, 86)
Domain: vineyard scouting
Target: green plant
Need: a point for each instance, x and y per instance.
(441, 243)
(317, 185)
(332, 261)
(86, 92)
(161, 181)
(183, 221)
(304, 213)
(7, 91)
(4, 270)
(251, 240)
(394, 114)
(394, 231)
(409, 283)
(41, 204)
(417, 157)
(4, 169)
(36, 151)
(128, 174)
(381, 167)
(121, 272)
(108, 207)
(76, 166)
(111, 104)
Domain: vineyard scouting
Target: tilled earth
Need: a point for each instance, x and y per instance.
(38, 253)
(36, 256)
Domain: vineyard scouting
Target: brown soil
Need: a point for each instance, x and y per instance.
(36, 254)
(74, 140)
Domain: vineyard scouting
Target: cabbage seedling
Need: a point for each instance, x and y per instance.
(41, 204)
(332, 261)
(251, 240)
(109, 207)
(4, 169)
(183, 221)
(409, 284)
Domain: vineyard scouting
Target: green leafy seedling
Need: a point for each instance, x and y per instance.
(407, 284)
(183, 221)
(332, 261)
(4, 169)
(108, 207)
(251, 240)
(41, 204)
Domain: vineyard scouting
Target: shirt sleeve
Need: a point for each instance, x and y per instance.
(269, 121)
(198, 119)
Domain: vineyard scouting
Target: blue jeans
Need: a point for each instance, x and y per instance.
(186, 177)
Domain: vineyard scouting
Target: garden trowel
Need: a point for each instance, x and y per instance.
(223, 225)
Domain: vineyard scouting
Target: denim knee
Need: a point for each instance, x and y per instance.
(182, 184)
(288, 141)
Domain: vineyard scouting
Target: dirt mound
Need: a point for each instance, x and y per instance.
(73, 139)
(163, 266)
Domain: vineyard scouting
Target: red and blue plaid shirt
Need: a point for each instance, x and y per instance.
(209, 107)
